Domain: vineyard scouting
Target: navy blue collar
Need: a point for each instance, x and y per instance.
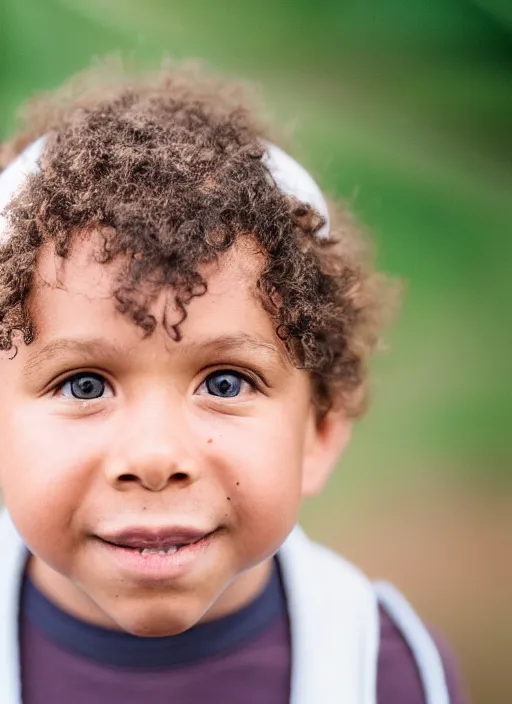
(126, 650)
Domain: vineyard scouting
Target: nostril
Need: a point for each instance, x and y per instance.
(154, 480)
(180, 476)
(127, 478)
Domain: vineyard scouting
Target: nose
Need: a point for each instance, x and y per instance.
(156, 453)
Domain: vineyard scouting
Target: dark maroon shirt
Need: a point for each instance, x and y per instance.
(243, 658)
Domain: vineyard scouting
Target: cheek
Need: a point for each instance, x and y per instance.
(45, 469)
(262, 461)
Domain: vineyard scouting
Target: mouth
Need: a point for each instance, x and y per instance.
(156, 556)
(167, 541)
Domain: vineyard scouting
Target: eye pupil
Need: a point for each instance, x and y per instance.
(87, 387)
(224, 384)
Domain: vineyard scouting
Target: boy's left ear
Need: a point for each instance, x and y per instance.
(324, 444)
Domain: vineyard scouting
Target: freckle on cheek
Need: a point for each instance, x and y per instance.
(228, 498)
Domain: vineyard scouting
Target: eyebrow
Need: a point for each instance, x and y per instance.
(83, 347)
(223, 344)
(231, 343)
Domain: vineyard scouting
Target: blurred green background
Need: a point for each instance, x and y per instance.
(404, 109)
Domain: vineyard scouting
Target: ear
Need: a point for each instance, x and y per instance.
(324, 444)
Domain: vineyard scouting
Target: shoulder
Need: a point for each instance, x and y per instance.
(398, 676)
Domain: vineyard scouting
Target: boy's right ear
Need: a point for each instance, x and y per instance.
(325, 442)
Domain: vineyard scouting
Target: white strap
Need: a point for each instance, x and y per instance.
(334, 625)
(420, 642)
(14, 176)
(13, 559)
(293, 179)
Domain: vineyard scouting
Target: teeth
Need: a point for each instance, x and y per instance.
(163, 551)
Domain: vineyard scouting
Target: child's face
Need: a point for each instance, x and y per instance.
(110, 437)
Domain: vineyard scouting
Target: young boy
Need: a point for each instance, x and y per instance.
(185, 329)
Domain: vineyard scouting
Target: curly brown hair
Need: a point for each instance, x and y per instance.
(168, 166)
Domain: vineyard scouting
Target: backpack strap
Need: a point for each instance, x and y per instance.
(334, 625)
(420, 642)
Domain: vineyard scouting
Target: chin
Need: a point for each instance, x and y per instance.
(156, 622)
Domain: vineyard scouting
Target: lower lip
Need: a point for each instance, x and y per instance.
(159, 565)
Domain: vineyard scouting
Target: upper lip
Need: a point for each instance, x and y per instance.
(154, 537)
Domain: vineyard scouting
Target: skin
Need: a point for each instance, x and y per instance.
(156, 448)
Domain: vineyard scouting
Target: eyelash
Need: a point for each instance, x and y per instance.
(244, 377)
(77, 375)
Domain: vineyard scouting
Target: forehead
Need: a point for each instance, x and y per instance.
(74, 296)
